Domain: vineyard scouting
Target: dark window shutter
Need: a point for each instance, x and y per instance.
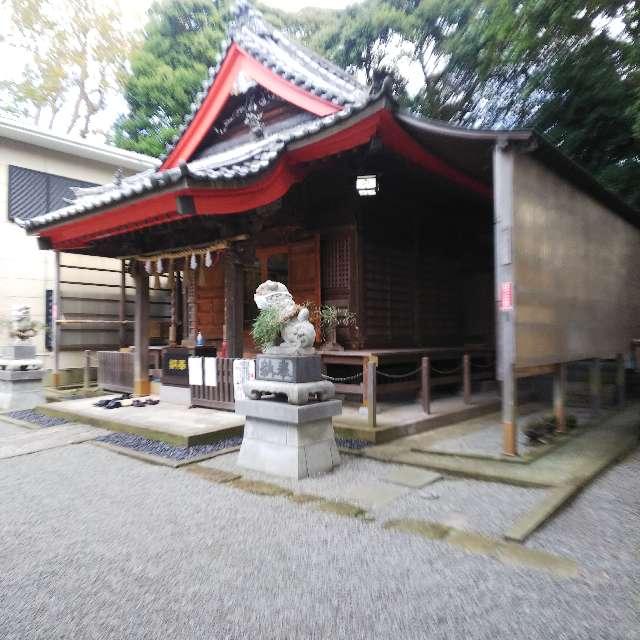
(32, 193)
(27, 193)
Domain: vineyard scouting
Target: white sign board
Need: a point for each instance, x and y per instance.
(195, 372)
(211, 372)
(243, 371)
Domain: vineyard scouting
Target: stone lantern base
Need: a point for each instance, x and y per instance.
(20, 378)
(286, 440)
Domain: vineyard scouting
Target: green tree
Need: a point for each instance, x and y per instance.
(72, 61)
(181, 40)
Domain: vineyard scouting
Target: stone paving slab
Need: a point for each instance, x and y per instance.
(166, 422)
(412, 477)
(51, 438)
(373, 494)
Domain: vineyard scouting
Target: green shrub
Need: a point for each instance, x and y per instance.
(266, 328)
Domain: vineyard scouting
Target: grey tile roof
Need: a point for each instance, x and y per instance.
(225, 168)
(291, 61)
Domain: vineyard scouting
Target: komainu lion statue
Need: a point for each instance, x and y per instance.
(298, 334)
(22, 327)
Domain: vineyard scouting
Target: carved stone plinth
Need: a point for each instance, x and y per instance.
(287, 368)
(288, 440)
(295, 393)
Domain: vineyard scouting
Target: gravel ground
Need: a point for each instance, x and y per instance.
(29, 415)
(157, 448)
(485, 507)
(7, 429)
(489, 440)
(96, 545)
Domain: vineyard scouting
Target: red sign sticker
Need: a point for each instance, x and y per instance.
(506, 296)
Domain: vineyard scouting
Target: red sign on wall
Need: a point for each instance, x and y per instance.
(506, 296)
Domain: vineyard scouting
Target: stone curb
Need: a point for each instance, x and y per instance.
(505, 552)
(160, 460)
(560, 496)
(259, 487)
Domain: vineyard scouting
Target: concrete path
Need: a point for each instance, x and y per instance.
(32, 441)
(580, 457)
(167, 422)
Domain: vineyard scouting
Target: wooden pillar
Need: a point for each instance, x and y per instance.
(141, 386)
(86, 378)
(233, 305)
(122, 309)
(510, 413)
(425, 387)
(55, 326)
(505, 290)
(371, 393)
(560, 397)
(466, 378)
(620, 379)
(595, 385)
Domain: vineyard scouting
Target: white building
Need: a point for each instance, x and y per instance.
(37, 169)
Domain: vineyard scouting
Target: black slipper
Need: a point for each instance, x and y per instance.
(114, 404)
(152, 402)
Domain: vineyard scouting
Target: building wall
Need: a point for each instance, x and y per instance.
(576, 271)
(25, 271)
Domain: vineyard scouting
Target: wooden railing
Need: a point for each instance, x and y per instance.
(221, 396)
(115, 371)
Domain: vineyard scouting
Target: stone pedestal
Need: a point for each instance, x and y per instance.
(288, 440)
(20, 378)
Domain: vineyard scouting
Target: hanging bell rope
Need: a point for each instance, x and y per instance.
(147, 266)
(193, 263)
(207, 259)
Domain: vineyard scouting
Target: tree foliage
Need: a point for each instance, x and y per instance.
(73, 61)
(181, 40)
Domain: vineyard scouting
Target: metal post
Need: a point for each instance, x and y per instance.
(560, 397)
(122, 310)
(57, 314)
(371, 393)
(466, 378)
(620, 379)
(595, 385)
(141, 385)
(87, 370)
(425, 387)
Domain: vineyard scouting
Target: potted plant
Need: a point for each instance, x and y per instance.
(332, 317)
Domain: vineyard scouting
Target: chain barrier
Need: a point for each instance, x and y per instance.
(357, 376)
(483, 366)
(397, 376)
(447, 372)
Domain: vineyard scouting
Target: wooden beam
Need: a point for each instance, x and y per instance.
(372, 394)
(122, 305)
(466, 378)
(560, 397)
(620, 379)
(233, 305)
(595, 385)
(425, 390)
(141, 385)
(57, 314)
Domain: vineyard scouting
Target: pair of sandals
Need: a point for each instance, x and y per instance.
(144, 403)
(105, 402)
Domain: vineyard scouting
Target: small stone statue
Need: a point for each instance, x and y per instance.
(298, 334)
(22, 326)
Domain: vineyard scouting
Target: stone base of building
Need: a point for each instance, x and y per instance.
(287, 440)
(21, 390)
